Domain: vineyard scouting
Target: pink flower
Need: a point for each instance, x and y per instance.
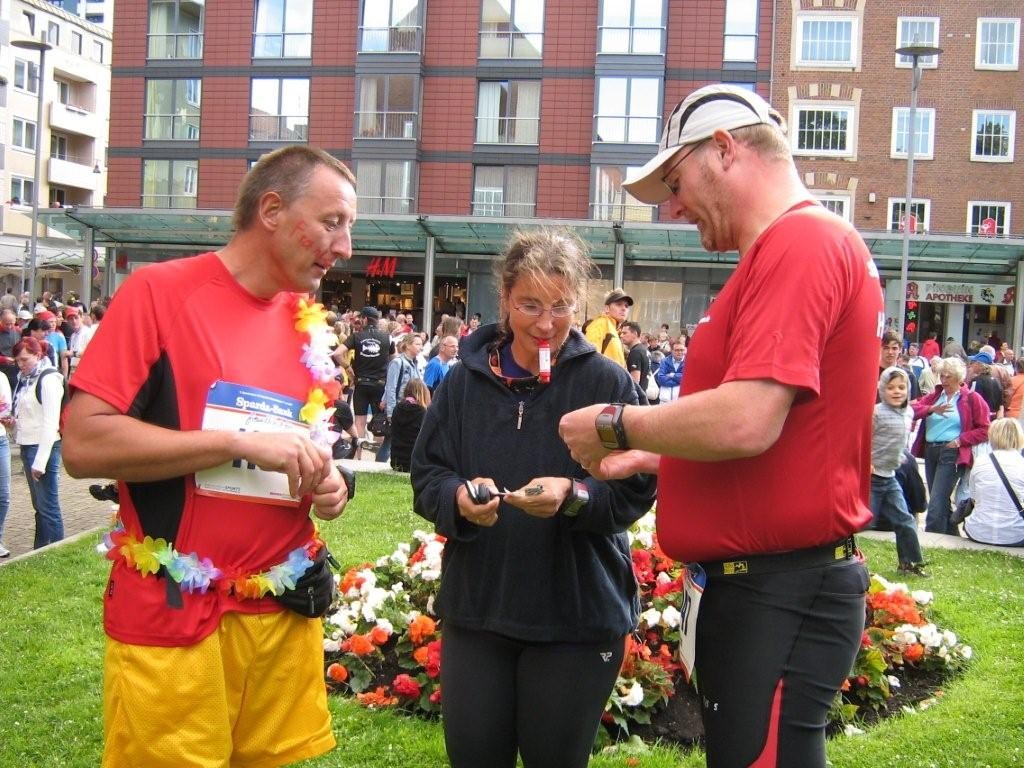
(406, 687)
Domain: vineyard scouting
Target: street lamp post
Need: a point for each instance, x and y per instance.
(915, 51)
(42, 47)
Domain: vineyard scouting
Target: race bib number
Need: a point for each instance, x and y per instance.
(693, 589)
(238, 408)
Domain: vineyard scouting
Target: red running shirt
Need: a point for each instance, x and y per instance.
(804, 308)
(173, 329)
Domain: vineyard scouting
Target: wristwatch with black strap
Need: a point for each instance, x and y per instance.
(577, 499)
(609, 427)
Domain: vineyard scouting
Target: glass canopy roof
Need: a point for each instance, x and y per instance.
(141, 229)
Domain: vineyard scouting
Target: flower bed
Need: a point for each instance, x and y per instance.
(383, 644)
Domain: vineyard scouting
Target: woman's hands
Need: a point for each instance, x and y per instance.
(541, 497)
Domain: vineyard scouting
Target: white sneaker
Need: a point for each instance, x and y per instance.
(4, 551)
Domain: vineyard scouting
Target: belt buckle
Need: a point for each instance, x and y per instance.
(735, 567)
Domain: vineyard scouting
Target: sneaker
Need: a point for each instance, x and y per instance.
(913, 569)
(4, 551)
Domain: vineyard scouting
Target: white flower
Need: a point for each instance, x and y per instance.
(430, 605)
(634, 696)
(852, 730)
(894, 682)
(671, 617)
(343, 621)
(922, 597)
(651, 617)
(949, 637)
(331, 646)
(386, 625)
(376, 597)
(369, 580)
(662, 578)
(430, 574)
(369, 613)
(966, 651)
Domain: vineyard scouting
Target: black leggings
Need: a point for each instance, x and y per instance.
(544, 700)
(772, 651)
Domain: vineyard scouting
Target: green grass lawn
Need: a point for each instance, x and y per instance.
(51, 645)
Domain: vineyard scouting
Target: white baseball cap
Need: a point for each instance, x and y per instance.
(694, 119)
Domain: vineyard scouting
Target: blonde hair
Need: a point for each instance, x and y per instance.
(1006, 435)
(418, 391)
(954, 366)
(542, 254)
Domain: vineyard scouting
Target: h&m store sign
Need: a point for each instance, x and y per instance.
(961, 293)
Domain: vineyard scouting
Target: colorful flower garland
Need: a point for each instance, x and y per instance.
(195, 574)
(311, 319)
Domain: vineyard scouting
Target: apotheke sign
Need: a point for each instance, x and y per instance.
(961, 293)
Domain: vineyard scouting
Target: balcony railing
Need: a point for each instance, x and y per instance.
(635, 40)
(171, 127)
(511, 210)
(623, 128)
(278, 128)
(386, 204)
(288, 45)
(507, 130)
(169, 201)
(503, 44)
(177, 45)
(622, 211)
(387, 125)
(389, 39)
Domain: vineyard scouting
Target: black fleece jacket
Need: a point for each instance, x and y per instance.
(558, 579)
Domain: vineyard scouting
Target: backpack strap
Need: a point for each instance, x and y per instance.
(39, 382)
(607, 340)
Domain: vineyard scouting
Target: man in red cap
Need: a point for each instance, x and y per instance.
(764, 459)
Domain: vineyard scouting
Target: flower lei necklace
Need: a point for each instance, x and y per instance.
(311, 319)
(195, 574)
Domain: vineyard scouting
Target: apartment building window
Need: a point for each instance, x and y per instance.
(924, 132)
(97, 51)
(915, 30)
(993, 135)
(26, 76)
(998, 45)
(988, 219)
(632, 26)
(284, 29)
(175, 29)
(387, 107)
(740, 30)
(76, 42)
(23, 192)
(173, 108)
(23, 134)
(390, 26)
(53, 33)
(628, 109)
(58, 197)
(512, 29)
(505, 190)
(279, 109)
(385, 187)
(920, 209)
(611, 202)
(840, 205)
(169, 183)
(59, 147)
(827, 40)
(823, 129)
(508, 112)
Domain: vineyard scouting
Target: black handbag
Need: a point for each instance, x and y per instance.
(315, 590)
(380, 424)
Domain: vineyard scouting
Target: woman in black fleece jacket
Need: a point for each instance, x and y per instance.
(537, 589)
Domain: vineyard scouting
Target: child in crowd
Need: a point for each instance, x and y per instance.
(406, 420)
(888, 441)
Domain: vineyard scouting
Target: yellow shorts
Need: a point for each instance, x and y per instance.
(251, 695)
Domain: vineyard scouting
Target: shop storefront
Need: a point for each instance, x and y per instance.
(966, 311)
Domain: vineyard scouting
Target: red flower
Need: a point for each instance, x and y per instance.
(668, 587)
(865, 640)
(914, 653)
(360, 645)
(435, 697)
(377, 698)
(406, 686)
(642, 565)
(337, 673)
(433, 665)
(379, 635)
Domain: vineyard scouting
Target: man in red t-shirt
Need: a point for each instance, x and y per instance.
(220, 464)
(763, 460)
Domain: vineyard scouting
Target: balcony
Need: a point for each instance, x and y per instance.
(73, 119)
(507, 130)
(622, 211)
(387, 125)
(390, 39)
(73, 172)
(180, 45)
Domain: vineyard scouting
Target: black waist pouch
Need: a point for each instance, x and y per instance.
(315, 590)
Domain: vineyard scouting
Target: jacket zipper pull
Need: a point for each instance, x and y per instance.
(312, 603)
(519, 422)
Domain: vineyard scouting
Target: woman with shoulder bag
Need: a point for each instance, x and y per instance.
(401, 370)
(955, 420)
(996, 518)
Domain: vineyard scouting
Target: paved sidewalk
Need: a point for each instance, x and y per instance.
(82, 513)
